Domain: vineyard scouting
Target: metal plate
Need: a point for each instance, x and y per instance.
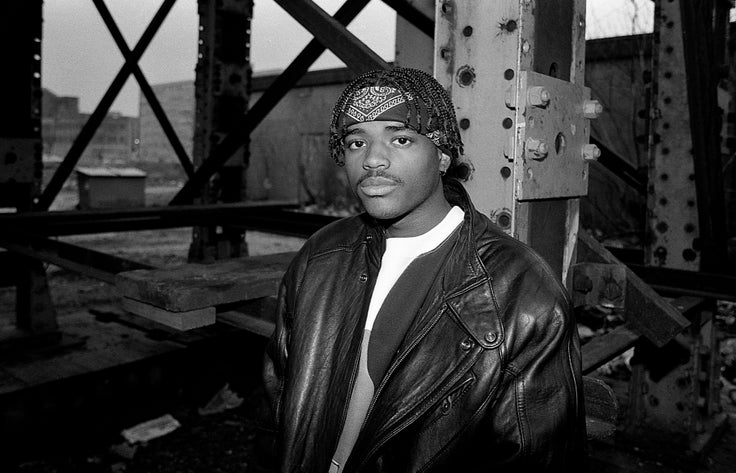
(17, 159)
(561, 128)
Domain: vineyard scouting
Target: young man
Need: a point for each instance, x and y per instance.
(418, 336)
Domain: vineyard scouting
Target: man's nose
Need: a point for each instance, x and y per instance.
(376, 157)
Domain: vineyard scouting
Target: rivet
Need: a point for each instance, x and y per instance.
(491, 337)
(466, 344)
(468, 31)
(464, 123)
(465, 76)
(363, 277)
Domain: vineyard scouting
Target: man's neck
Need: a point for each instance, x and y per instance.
(417, 223)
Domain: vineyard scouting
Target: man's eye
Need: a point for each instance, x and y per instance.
(355, 144)
(402, 140)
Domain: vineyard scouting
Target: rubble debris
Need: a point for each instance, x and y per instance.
(151, 429)
(124, 450)
(223, 400)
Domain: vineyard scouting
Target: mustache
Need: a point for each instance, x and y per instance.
(379, 173)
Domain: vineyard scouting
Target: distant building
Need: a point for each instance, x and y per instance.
(114, 141)
(177, 100)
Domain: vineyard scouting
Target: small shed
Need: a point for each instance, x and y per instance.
(104, 187)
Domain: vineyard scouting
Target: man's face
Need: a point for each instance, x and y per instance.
(395, 172)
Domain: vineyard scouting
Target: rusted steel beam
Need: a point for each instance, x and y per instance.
(100, 221)
(646, 311)
(620, 167)
(268, 100)
(603, 349)
(91, 263)
(702, 71)
(411, 14)
(156, 107)
(670, 281)
(94, 121)
(334, 36)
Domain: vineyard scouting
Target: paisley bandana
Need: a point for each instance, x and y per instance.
(378, 103)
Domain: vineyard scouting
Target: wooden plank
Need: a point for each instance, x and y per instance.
(645, 310)
(251, 323)
(603, 349)
(183, 320)
(196, 286)
(334, 36)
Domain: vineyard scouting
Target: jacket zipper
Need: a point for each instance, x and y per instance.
(393, 368)
(354, 373)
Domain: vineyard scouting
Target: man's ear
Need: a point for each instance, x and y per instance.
(445, 161)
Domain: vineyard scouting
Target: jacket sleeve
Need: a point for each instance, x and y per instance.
(538, 417)
(276, 354)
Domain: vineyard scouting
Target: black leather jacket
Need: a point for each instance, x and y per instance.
(486, 379)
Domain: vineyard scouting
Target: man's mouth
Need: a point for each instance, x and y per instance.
(377, 186)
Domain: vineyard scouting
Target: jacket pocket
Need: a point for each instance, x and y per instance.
(449, 401)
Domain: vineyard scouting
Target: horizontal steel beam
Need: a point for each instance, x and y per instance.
(681, 282)
(91, 263)
(274, 217)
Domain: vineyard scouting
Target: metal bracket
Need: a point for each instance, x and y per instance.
(552, 130)
(599, 284)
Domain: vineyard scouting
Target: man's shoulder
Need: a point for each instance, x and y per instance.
(506, 258)
(346, 233)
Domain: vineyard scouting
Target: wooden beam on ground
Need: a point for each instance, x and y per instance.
(602, 349)
(196, 286)
(646, 311)
(182, 320)
(334, 36)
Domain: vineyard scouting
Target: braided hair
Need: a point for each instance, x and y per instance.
(411, 83)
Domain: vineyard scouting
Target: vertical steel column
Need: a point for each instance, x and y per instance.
(673, 390)
(527, 150)
(671, 199)
(21, 150)
(222, 90)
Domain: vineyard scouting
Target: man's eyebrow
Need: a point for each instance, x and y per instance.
(399, 128)
(354, 131)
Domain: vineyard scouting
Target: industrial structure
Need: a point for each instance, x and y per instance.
(516, 72)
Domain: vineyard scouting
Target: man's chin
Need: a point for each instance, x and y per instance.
(383, 213)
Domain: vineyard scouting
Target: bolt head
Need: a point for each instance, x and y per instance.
(592, 109)
(538, 96)
(538, 148)
(591, 152)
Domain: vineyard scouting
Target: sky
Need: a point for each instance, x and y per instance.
(80, 58)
